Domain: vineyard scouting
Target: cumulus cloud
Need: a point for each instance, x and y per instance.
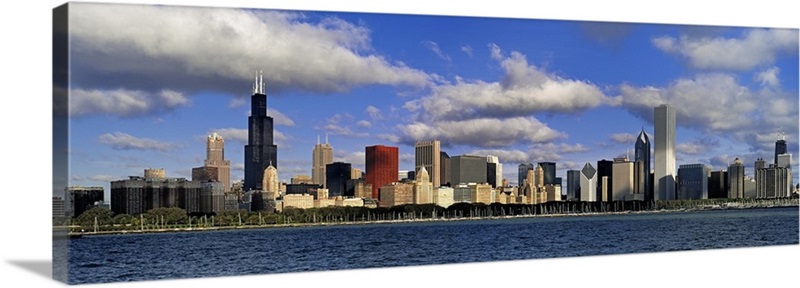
(103, 178)
(713, 101)
(482, 132)
(524, 90)
(434, 47)
(697, 146)
(123, 141)
(374, 112)
(769, 77)
(539, 152)
(623, 138)
(149, 47)
(279, 118)
(717, 104)
(364, 124)
(356, 159)
(232, 134)
(467, 50)
(756, 47)
(123, 102)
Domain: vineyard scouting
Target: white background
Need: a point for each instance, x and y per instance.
(26, 125)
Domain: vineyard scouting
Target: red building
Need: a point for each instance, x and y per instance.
(382, 166)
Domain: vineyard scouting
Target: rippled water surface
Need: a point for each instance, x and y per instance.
(95, 259)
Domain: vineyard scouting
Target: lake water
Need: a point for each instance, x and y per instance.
(96, 259)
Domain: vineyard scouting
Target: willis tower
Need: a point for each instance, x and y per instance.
(260, 152)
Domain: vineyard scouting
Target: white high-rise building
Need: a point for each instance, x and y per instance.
(664, 174)
(498, 170)
(322, 155)
(588, 183)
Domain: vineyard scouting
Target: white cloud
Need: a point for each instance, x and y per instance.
(434, 47)
(235, 134)
(123, 102)
(104, 178)
(539, 152)
(467, 49)
(373, 112)
(697, 146)
(756, 47)
(505, 156)
(189, 47)
(482, 132)
(711, 101)
(524, 90)
(279, 118)
(334, 129)
(364, 124)
(237, 166)
(769, 77)
(356, 159)
(623, 138)
(237, 102)
(389, 137)
(122, 141)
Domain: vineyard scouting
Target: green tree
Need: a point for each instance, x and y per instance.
(87, 218)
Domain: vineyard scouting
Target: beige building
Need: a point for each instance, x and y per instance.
(215, 167)
(270, 181)
(396, 193)
(443, 196)
(301, 179)
(622, 179)
(355, 173)
(362, 189)
(303, 201)
(423, 188)
(321, 156)
(155, 173)
(352, 202)
(482, 193)
(552, 193)
(320, 203)
(427, 154)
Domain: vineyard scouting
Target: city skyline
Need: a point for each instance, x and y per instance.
(431, 71)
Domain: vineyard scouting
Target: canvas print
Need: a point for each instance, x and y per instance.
(265, 141)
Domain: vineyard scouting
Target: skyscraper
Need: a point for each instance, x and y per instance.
(337, 176)
(215, 167)
(664, 185)
(321, 155)
(605, 168)
(736, 179)
(693, 181)
(642, 156)
(260, 150)
(270, 182)
(780, 148)
(522, 173)
(588, 183)
(549, 169)
(382, 166)
(467, 169)
(428, 154)
(498, 171)
(573, 185)
(444, 171)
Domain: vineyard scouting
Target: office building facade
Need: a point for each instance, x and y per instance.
(736, 180)
(428, 154)
(337, 177)
(664, 178)
(321, 156)
(382, 166)
(468, 169)
(641, 159)
(588, 183)
(693, 181)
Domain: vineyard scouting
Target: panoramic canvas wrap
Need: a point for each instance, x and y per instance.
(271, 141)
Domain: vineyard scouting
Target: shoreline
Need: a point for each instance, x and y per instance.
(75, 235)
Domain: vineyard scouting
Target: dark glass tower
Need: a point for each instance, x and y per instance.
(337, 175)
(642, 153)
(549, 169)
(522, 172)
(780, 148)
(260, 150)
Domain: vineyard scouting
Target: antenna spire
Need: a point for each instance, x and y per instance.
(326, 138)
(317, 139)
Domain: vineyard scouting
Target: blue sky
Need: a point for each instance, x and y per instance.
(148, 83)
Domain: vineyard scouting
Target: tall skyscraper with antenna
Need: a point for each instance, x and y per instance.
(780, 147)
(322, 155)
(260, 151)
